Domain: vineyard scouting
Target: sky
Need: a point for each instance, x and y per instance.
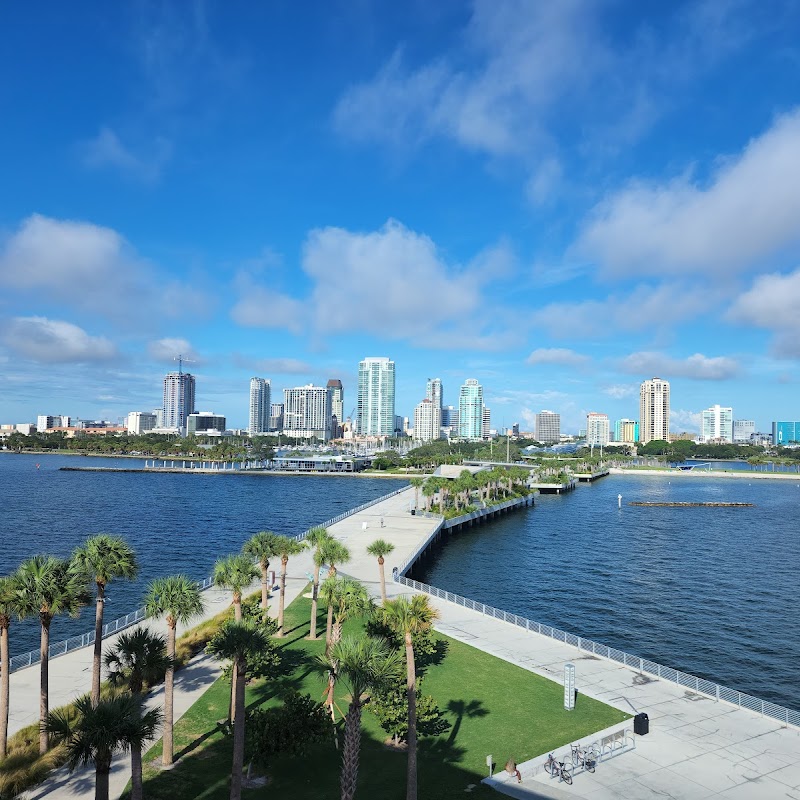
(558, 199)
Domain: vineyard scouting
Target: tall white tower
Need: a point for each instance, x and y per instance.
(375, 403)
(178, 399)
(654, 411)
(470, 410)
(260, 402)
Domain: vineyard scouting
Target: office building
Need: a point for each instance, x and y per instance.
(375, 402)
(178, 402)
(205, 423)
(486, 428)
(140, 422)
(433, 391)
(337, 407)
(654, 411)
(717, 424)
(470, 410)
(276, 416)
(427, 421)
(597, 429)
(626, 430)
(784, 433)
(743, 430)
(547, 427)
(260, 402)
(307, 412)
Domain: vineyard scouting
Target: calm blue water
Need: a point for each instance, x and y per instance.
(176, 522)
(711, 591)
(743, 465)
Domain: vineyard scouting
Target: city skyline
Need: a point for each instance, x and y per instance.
(557, 200)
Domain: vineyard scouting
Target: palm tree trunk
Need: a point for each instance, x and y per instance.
(383, 580)
(239, 669)
(101, 772)
(351, 750)
(264, 586)
(237, 615)
(282, 597)
(312, 633)
(329, 629)
(97, 658)
(411, 694)
(169, 684)
(136, 772)
(330, 694)
(4, 688)
(44, 680)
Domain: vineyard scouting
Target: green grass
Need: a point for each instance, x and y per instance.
(493, 707)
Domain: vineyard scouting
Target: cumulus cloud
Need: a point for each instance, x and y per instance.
(748, 211)
(619, 391)
(772, 303)
(696, 367)
(167, 350)
(53, 341)
(558, 356)
(690, 421)
(106, 150)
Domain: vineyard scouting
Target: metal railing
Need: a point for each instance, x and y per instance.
(85, 639)
(788, 716)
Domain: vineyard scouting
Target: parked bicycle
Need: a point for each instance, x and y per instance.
(558, 769)
(583, 757)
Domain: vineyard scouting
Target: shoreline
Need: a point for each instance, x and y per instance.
(713, 473)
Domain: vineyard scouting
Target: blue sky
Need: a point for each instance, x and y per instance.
(559, 199)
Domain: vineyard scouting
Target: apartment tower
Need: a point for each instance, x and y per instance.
(375, 402)
(178, 402)
(470, 410)
(654, 411)
(260, 401)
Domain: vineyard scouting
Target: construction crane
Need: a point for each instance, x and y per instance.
(180, 359)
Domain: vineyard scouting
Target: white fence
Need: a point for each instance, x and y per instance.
(85, 639)
(788, 716)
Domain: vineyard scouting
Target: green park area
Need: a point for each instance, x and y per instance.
(488, 706)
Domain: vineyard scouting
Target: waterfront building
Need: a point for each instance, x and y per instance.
(784, 433)
(260, 402)
(547, 425)
(159, 415)
(205, 423)
(45, 421)
(597, 429)
(179, 393)
(375, 401)
(449, 422)
(427, 421)
(470, 410)
(486, 428)
(139, 422)
(307, 412)
(626, 430)
(337, 407)
(433, 391)
(743, 430)
(654, 411)
(717, 424)
(276, 416)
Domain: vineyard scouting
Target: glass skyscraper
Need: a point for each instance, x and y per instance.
(260, 401)
(375, 403)
(470, 410)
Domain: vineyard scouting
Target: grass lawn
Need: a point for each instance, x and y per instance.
(493, 707)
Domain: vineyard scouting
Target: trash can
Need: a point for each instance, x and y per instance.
(641, 724)
(413, 512)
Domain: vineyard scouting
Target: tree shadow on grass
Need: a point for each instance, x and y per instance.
(464, 709)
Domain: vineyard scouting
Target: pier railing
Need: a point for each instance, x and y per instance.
(85, 639)
(788, 716)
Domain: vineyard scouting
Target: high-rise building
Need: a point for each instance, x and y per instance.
(178, 399)
(784, 433)
(470, 410)
(276, 416)
(547, 427)
(486, 427)
(307, 412)
(597, 429)
(433, 392)
(626, 430)
(205, 422)
(654, 411)
(717, 424)
(337, 407)
(375, 402)
(46, 421)
(743, 430)
(140, 422)
(427, 421)
(260, 402)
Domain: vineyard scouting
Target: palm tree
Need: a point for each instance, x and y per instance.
(317, 538)
(364, 664)
(235, 573)
(138, 658)
(261, 546)
(417, 484)
(100, 731)
(409, 617)
(237, 641)
(103, 557)
(46, 587)
(286, 547)
(8, 608)
(380, 548)
(178, 599)
(333, 552)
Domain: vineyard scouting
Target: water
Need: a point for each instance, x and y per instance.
(710, 591)
(175, 522)
(739, 465)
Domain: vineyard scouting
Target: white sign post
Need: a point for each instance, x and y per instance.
(569, 687)
(490, 764)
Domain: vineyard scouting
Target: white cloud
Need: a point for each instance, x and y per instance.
(271, 366)
(53, 341)
(167, 350)
(748, 211)
(696, 367)
(690, 421)
(107, 150)
(557, 356)
(619, 391)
